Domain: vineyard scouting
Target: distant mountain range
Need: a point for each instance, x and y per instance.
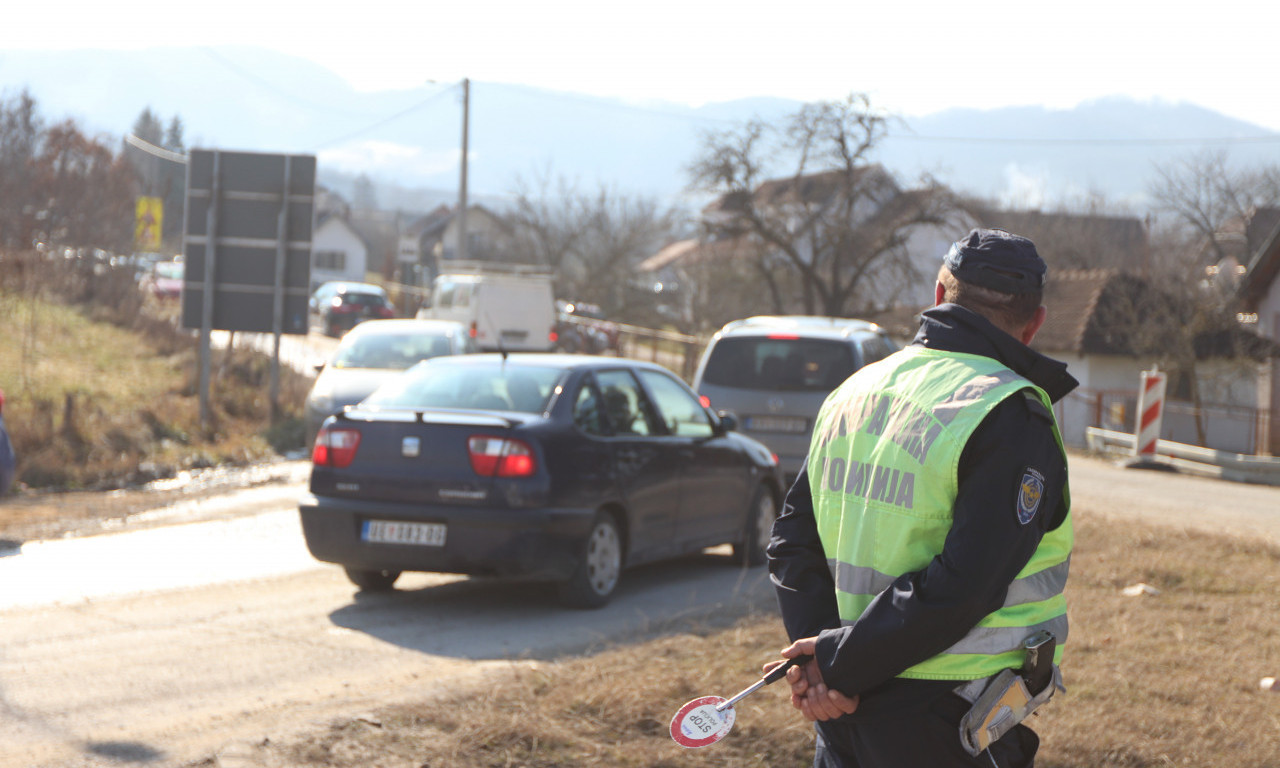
(408, 141)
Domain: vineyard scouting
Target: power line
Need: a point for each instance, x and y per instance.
(265, 84)
(382, 122)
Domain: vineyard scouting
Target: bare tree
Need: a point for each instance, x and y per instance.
(59, 186)
(1210, 197)
(89, 191)
(20, 130)
(593, 240)
(836, 221)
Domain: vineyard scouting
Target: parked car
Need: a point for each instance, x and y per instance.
(582, 327)
(8, 462)
(164, 281)
(565, 468)
(774, 372)
(507, 307)
(339, 306)
(374, 352)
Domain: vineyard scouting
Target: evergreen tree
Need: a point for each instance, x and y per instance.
(149, 128)
(173, 136)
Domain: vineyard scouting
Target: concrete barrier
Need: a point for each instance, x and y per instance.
(1192, 459)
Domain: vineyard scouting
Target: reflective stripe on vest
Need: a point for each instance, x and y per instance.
(883, 467)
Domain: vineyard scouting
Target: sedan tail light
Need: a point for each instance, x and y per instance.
(335, 447)
(501, 457)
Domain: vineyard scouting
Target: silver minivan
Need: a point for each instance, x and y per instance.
(773, 373)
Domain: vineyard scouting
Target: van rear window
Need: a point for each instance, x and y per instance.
(787, 365)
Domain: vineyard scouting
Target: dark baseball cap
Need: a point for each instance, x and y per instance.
(998, 260)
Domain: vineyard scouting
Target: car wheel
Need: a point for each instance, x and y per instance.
(372, 581)
(759, 527)
(593, 583)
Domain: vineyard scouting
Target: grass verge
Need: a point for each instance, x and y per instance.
(1154, 680)
(102, 386)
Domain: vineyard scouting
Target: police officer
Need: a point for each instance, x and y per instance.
(929, 534)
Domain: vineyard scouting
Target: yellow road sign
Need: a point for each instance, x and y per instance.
(149, 218)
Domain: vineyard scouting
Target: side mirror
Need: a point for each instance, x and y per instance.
(318, 367)
(728, 421)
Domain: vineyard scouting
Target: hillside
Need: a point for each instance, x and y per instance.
(245, 98)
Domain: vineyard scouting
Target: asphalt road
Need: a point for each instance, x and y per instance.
(175, 643)
(166, 645)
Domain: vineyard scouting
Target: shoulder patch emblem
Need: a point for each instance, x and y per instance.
(1029, 495)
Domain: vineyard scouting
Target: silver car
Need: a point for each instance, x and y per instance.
(773, 373)
(374, 352)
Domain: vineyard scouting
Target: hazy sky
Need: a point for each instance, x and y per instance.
(912, 58)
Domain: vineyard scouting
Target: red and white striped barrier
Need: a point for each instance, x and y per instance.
(1150, 413)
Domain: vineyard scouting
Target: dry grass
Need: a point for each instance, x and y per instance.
(102, 387)
(1161, 680)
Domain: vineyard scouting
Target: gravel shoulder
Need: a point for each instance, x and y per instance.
(188, 497)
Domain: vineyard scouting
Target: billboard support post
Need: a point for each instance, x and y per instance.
(277, 309)
(206, 297)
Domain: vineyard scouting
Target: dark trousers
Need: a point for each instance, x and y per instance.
(929, 738)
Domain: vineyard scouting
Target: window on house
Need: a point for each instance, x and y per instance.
(334, 260)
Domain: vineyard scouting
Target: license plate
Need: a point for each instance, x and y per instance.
(396, 532)
(792, 424)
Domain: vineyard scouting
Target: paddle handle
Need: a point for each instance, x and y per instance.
(772, 677)
(781, 671)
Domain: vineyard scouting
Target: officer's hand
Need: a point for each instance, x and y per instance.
(809, 693)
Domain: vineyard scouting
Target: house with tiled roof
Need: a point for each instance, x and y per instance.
(1093, 320)
(1259, 294)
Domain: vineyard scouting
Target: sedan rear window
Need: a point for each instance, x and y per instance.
(485, 387)
(389, 351)
(363, 299)
(779, 364)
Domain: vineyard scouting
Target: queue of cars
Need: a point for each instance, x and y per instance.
(568, 468)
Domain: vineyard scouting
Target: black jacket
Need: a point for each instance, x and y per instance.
(927, 611)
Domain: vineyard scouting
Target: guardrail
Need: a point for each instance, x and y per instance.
(1237, 467)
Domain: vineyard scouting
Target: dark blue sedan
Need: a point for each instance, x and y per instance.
(556, 467)
(7, 462)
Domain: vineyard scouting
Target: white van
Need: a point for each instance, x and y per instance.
(506, 307)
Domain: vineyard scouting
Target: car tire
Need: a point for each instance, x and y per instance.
(596, 578)
(761, 513)
(372, 581)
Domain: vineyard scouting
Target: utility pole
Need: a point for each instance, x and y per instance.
(462, 184)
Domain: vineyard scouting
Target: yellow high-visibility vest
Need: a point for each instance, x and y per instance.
(883, 472)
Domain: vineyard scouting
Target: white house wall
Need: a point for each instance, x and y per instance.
(1106, 397)
(334, 235)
